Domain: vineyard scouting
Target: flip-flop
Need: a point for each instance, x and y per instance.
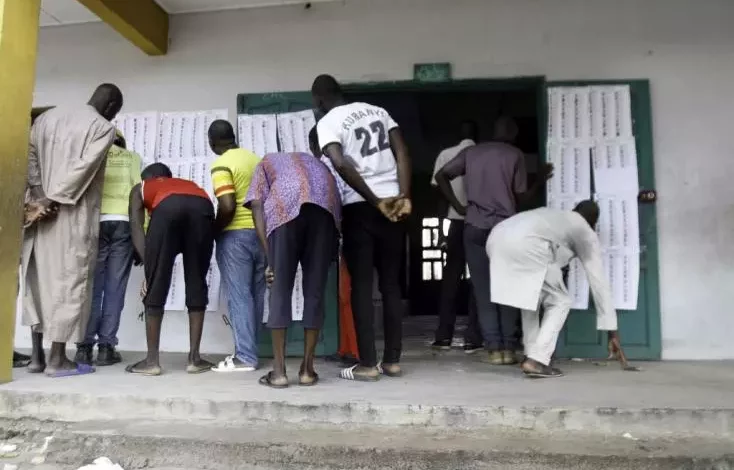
(134, 369)
(314, 380)
(81, 369)
(21, 360)
(386, 372)
(267, 381)
(348, 374)
(203, 366)
(546, 372)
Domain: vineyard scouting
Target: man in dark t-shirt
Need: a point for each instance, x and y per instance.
(495, 181)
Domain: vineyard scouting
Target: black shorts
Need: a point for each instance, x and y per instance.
(180, 224)
(312, 240)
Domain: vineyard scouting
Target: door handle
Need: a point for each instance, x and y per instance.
(647, 196)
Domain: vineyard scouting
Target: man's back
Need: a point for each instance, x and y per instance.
(495, 173)
(232, 173)
(363, 132)
(60, 137)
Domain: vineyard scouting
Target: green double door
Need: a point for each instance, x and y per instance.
(274, 103)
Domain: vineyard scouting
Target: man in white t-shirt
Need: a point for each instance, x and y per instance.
(455, 256)
(367, 150)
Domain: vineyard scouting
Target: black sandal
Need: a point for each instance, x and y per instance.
(267, 381)
(545, 372)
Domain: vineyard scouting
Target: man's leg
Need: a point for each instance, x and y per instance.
(119, 263)
(358, 251)
(530, 328)
(556, 306)
(475, 240)
(283, 246)
(198, 246)
(473, 335)
(389, 259)
(455, 262)
(162, 245)
(321, 241)
(236, 268)
(84, 349)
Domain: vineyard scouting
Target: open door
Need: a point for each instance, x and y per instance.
(274, 103)
(639, 329)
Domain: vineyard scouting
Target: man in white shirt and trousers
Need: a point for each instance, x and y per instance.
(453, 244)
(527, 253)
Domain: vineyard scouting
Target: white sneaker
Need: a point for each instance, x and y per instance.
(229, 365)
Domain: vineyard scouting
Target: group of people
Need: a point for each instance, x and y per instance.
(90, 214)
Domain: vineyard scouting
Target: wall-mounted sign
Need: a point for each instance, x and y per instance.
(440, 72)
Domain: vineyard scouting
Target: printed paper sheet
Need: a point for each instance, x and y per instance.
(571, 171)
(140, 131)
(592, 127)
(615, 167)
(184, 135)
(296, 298)
(293, 129)
(258, 133)
(618, 226)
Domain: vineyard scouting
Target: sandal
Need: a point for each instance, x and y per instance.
(348, 374)
(141, 368)
(393, 370)
(268, 381)
(545, 372)
(310, 381)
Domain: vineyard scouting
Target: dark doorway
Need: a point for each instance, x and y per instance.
(429, 117)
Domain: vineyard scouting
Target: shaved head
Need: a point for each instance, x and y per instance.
(589, 210)
(221, 136)
(107, 100)
(505, 129)
(326, 93)
(156, 170)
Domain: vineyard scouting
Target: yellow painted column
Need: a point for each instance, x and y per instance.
(18, 44)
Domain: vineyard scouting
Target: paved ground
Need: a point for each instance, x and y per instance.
(448, 389)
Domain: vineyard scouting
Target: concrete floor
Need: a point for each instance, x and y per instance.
(447, 389)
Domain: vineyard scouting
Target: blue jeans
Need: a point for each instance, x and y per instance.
(241, 263)
(499, 323)
(114, 259)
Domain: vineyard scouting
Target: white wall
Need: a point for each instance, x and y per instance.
(686, 48)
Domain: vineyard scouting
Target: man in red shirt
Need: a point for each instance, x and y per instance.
(181, 222)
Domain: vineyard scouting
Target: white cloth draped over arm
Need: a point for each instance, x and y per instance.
(81, 172)
(587, 248)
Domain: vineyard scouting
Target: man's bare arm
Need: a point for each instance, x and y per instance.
(451, 170)
(258, 216)
(226, 207)
(137, 222)
(349, 174)
(400, 149)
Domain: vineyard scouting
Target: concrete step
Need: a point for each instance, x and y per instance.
(269, 446)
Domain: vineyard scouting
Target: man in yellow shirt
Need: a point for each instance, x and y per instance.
(114, 258)
(239, 254)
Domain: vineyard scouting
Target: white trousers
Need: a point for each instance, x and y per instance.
(540, 338)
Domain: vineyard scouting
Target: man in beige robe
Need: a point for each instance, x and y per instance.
(527, 253)
(68, 150)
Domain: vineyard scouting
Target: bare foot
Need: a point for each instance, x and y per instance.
(145, 368)
(38, 363)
